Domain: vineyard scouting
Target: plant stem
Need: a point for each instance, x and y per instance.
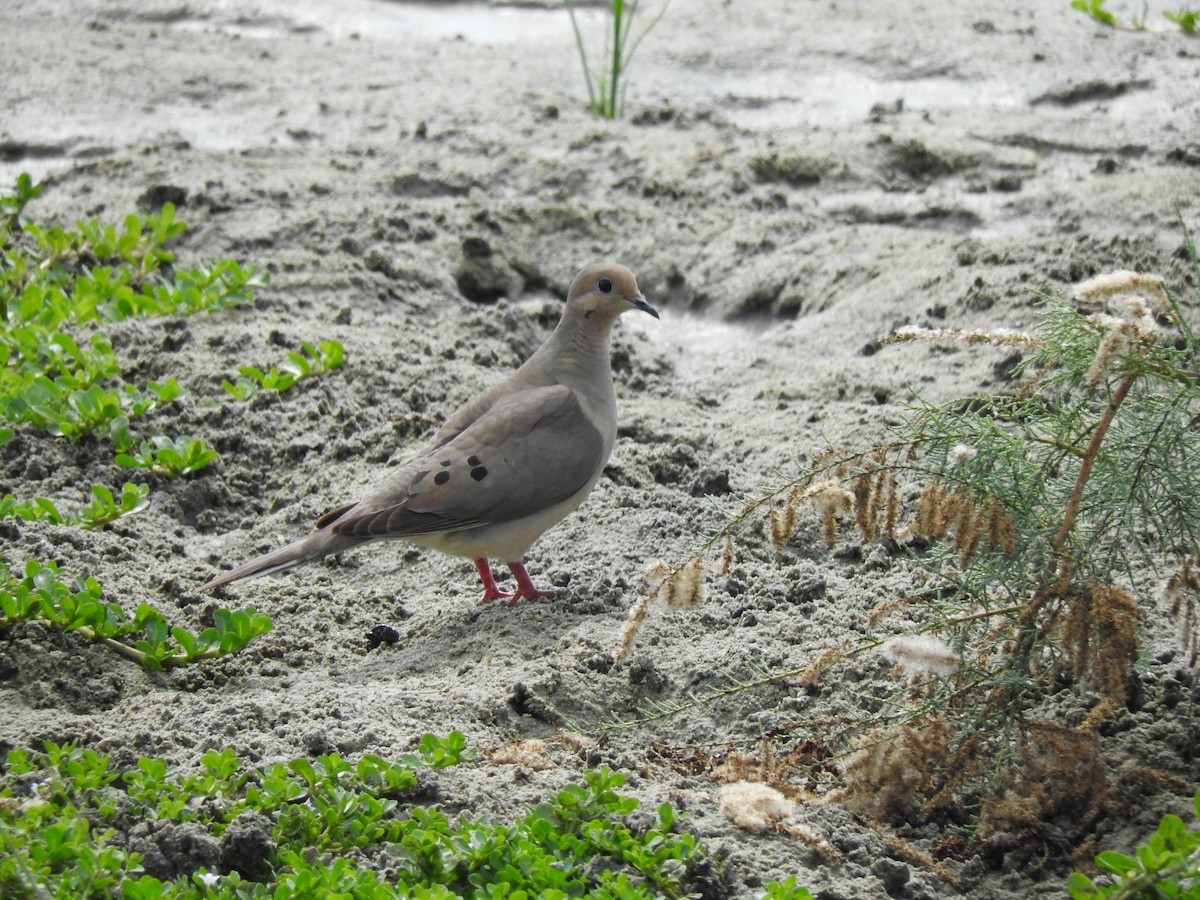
(1085, 468)
(86, 631)
(618, 12)
(984, 614)
(587, 74)
(1059, 566)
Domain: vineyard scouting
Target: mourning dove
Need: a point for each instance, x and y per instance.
(508, 465)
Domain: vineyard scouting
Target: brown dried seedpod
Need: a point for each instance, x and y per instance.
(862, 487)
(727, 555)
(936, 508)
(1182, 596)
(1100, 635)
(1001, 533)
(674, 588)
(894, 770)
(782, 523)
(966, 530)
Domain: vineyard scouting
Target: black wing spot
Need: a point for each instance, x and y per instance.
(479, 473)
(474, 461)
(441, 477)
(446, 462)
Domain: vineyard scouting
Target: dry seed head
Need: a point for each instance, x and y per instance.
(755, 807)
(1136, 304)
(865, 509)
(806, 835)
(576, 741)
(999, 336)
(1077, 634)
(675, 588)
(918, 653)
(829, 529)
(1118, 335)
(894, 770)
(831, 499)
(1116, 615)
(961, 453)
(727, 555)
(1181, 594)
(634, 620)
(936, 509)
(656, 571)
(819, 665)
(1001, 533)
(966, 531)
(881, 514)
(1138, 322)
(527, 752)
(891, 503)
(1100, 634)
(1059, 772)
(883, 607)
(902, 849)
(685, 587)
(1097, 715)
(782, 523)
(1124, 282)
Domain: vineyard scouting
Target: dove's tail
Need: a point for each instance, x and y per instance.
(314, 546)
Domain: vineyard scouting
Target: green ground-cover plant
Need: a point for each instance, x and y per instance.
(1031, 511)
(59, 375)
(1184, 18)
(605, 84)
(333, 825)
(309, 360)
(167, 456)
(40, 594)
(58, 371)
(1166, 866)
(104, 508)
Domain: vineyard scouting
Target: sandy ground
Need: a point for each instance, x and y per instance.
(793, 180)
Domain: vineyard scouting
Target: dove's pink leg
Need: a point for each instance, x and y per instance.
(525, 586)
(490, 591)
(526, 590)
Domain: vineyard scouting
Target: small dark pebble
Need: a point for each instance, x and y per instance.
(382, 634)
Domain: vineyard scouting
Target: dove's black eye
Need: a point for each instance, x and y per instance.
(605, 285)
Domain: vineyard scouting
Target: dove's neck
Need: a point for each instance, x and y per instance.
(580, 356)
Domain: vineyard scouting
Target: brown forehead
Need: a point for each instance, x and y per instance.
(623, 279)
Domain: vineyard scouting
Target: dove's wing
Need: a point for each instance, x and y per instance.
(530, 451)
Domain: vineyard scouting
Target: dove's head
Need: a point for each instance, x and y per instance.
(606, 290)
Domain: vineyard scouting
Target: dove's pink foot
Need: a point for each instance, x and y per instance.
(526, 590)
(525, 587)
(490, 591)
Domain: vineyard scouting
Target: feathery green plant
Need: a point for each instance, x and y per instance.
(605, 85)
(1030, 511)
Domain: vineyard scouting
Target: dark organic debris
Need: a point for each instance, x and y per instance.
(1091, 91)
